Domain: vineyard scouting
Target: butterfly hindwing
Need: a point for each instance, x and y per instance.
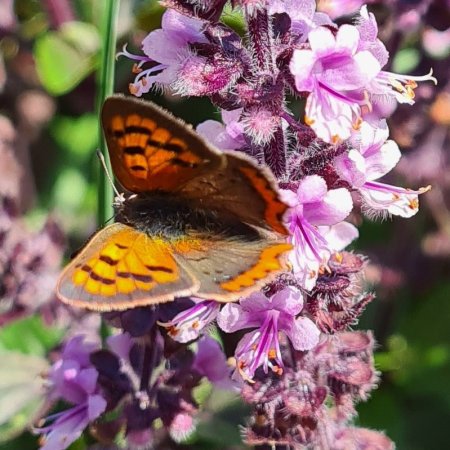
(122, 268)
(231, 268)
(150, 149)
(242, 188)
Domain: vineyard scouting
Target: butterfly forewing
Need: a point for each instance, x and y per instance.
(123, 268)
(152, 150)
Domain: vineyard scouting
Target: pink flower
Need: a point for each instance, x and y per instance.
(166, 49)
(335, 73)
(338, 8)
(226, 136)
(373, 157)
(188, 324)
(343, 73)
(315, 222)
(269, 317)
(386, 85)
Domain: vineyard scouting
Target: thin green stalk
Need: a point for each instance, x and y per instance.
(105, 87)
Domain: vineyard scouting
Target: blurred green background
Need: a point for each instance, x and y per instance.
(49, 57)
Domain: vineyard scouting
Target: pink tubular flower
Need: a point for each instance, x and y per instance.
(166, 49)
(386, 85)
(343, 73)
(74, 380)
(269, 316)
(373, 157)
(315, 222)
(226, 136)
(335, 73)
(188, 324)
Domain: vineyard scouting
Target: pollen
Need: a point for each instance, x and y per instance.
(173, 331)
(309, 121)
(195, 325)
(335, 139)
(414, 204)
(133, 89)
(312, 274)
(339, 257)
(272, 353)
(357, 124)
(278, 370)
(136, 68)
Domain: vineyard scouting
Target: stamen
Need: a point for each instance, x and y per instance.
(309, 121)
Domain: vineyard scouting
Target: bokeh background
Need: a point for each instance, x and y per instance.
(49, 60)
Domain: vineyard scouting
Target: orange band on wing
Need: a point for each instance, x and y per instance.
(274, 207)
(269, 261)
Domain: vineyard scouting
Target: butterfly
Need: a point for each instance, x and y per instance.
(195, 221)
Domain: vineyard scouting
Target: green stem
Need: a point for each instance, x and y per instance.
(105, 87)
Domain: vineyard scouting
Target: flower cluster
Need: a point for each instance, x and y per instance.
(295, 361)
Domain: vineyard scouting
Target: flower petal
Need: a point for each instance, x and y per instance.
(289, 300)
(383, 161)
(311, 189)
(232, 318)
(334, 208)
(303, 333)
(340, 235)
(351, 167)
(301, 66)
(322, 41)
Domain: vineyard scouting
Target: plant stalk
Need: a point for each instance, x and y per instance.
(105, 87)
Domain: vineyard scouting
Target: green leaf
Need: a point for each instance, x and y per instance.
(30, 336)
(69, 190)
(65, 57)
(406, 60)
(21, 392)
(78, 136)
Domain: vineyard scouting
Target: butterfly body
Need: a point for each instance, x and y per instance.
(197, 222)
(170, 217)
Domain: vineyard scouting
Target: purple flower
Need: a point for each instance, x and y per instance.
(373, 157)
(188, 324)
(73, 379)
(343, 73)
(338, 8)
(226, 136)
(210, 362)
(315, 222)
(269, 317)
(335, 72)
(386, 85)
(165, 49)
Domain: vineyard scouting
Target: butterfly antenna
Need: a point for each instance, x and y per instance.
(119, 198)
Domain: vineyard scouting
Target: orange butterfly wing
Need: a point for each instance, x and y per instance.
(122, 268)
(242, 188)
(232, 268)
(150, 149)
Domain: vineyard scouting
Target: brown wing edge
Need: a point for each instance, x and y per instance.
(279, 226)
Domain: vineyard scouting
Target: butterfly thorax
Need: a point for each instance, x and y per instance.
(170, 216)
